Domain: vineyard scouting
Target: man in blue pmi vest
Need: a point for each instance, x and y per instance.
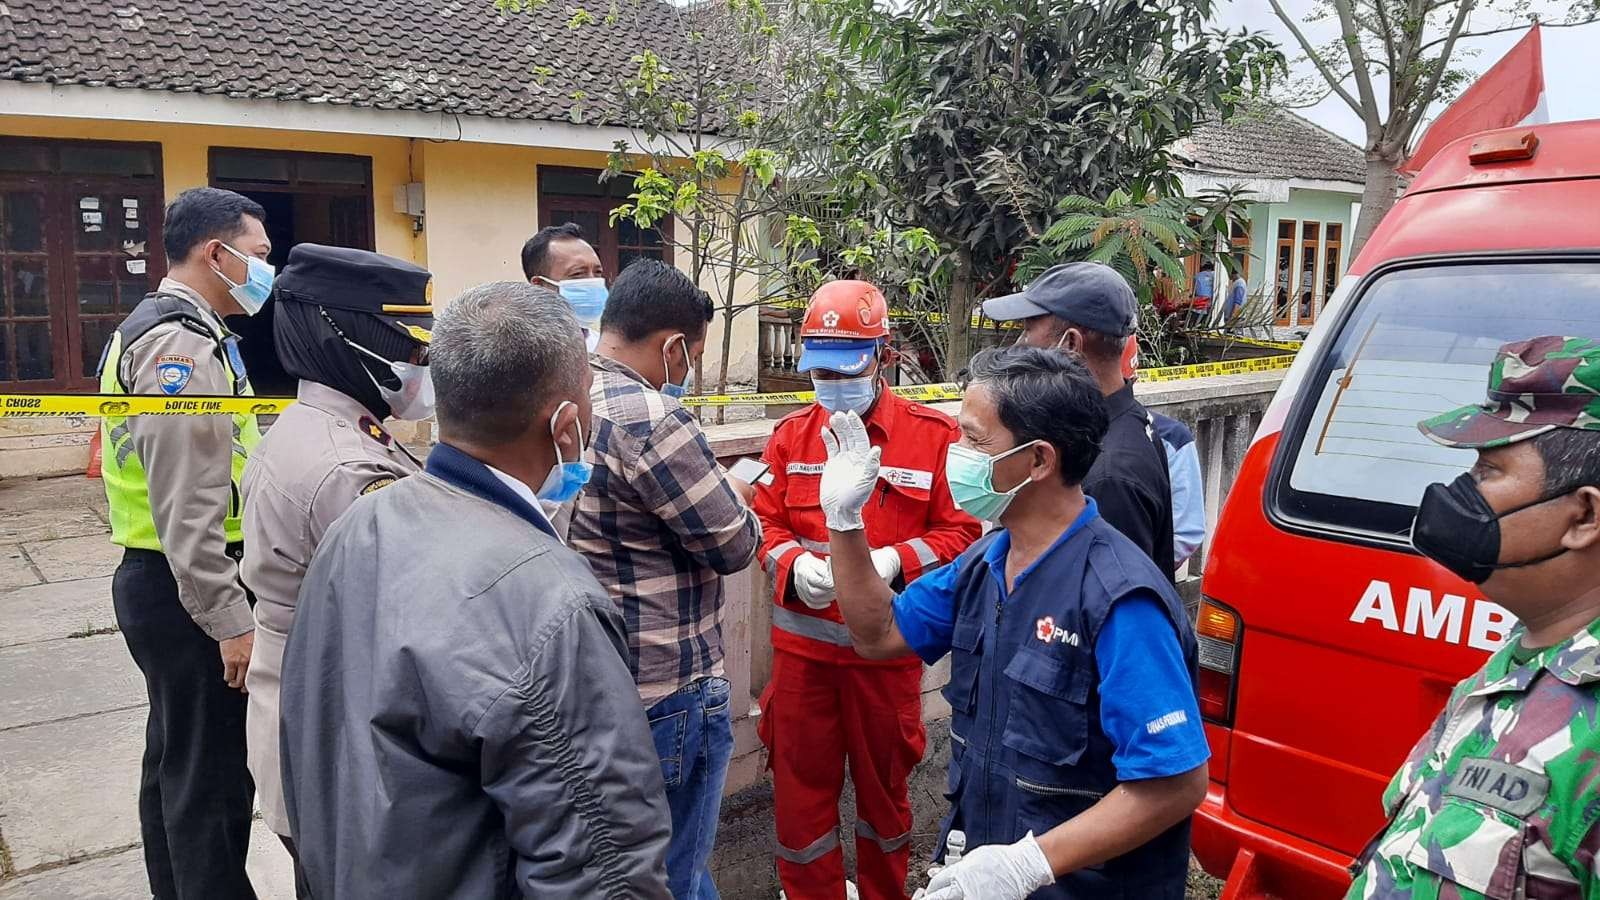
(1077, 754)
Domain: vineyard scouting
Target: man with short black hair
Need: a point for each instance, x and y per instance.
(172, 484)
(1078, 753)
(1498, 798)
(560, 259)
(661, 523)
(457, 716)
(1089, 310)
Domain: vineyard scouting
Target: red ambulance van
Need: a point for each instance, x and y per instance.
(1327, 645)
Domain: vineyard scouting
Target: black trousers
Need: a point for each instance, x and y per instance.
(195, 794)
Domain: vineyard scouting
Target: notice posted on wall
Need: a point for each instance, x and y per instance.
(93, 218)
(136, 267)
(88, 202)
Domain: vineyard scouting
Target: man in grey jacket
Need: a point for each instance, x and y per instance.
(458, 716)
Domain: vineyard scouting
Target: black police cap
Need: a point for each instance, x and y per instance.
(360, 281)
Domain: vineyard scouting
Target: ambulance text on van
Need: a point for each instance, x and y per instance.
(1489, 625)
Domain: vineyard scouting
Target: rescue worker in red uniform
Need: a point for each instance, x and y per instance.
(827, 705)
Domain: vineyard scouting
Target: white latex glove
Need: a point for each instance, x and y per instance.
(813, 581)
(850, 472)
(887, 561)
(994, 872)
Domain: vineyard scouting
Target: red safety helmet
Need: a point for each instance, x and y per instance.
(845, 322)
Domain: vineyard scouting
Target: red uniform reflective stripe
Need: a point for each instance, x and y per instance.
(826, 705)
(910, 510)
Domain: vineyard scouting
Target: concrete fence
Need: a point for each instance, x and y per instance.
(1223, 412)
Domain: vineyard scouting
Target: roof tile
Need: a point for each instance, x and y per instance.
(425, 55)
(1266, 142)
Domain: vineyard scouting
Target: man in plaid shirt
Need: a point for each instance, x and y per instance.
(661, 523)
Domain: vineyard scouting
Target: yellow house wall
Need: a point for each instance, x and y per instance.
(481, 204)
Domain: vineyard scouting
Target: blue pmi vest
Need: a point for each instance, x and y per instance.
(1027, 751)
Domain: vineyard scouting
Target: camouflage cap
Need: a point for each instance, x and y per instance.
(1534, 386)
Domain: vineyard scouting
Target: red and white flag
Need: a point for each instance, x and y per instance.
(1510, 93)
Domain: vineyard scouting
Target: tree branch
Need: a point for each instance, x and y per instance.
(1517, 26)
(1358, 65)
(1414, 115)
(1311, 54)
(1387, 32)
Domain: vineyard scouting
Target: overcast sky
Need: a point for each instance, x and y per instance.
(1569, 61)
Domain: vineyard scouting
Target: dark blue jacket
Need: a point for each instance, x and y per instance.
(1027, 750)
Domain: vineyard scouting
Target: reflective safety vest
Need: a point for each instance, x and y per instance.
(1026, 748)
(127, 491)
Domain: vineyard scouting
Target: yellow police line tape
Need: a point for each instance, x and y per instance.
(1254, 342)
(15, 406)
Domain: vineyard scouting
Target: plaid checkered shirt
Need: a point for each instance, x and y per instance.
(660, 526)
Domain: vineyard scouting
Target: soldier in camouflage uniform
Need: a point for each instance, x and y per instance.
(1501, 798)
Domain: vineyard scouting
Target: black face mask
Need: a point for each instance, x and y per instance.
(1456, 528)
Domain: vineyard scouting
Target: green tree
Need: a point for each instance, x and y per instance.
(723, 101)
(1393, 60)
(972, 118)
(717, 136)
(1145, 242)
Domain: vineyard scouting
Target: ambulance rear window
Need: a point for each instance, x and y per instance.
(1419, 343)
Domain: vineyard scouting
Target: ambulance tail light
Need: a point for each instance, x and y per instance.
(1219, 633)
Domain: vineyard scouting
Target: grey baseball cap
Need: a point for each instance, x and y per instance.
(1089, 294)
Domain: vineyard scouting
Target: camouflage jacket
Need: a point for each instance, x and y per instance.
(1500, 798)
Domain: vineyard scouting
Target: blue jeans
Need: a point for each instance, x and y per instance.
(693, 731)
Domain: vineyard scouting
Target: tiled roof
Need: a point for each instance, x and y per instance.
(452, 56)
(1264, 142)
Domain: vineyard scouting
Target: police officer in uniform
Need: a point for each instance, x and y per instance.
(353, 326)
(172, 483)
(1077, 753)
(1499, 797)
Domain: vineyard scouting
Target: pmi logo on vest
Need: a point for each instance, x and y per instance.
(1441, 620)
(1046, 630)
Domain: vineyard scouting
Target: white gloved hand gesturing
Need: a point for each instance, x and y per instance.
(994, 872)
(813, 581)
(887, 561)
(850, 472)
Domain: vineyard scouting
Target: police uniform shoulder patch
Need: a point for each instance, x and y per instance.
(377, 483)
(173, 373)
(375, 431)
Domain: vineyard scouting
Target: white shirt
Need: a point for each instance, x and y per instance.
(526, 493)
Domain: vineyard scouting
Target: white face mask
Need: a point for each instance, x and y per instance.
(414, 399)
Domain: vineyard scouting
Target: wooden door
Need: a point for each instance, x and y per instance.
(80, 246)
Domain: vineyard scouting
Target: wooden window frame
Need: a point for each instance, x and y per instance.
(65, 317)
(606, 244)
(295, 185)
(1280, 242)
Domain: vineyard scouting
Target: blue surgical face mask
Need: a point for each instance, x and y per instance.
(681, 386)
(251, 295)
(566, 479)
(586, 296)
(970, 474)
(847, 394)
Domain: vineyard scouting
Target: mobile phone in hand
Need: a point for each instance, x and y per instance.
(751, 471)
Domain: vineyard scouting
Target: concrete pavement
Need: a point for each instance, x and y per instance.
(72, 708)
